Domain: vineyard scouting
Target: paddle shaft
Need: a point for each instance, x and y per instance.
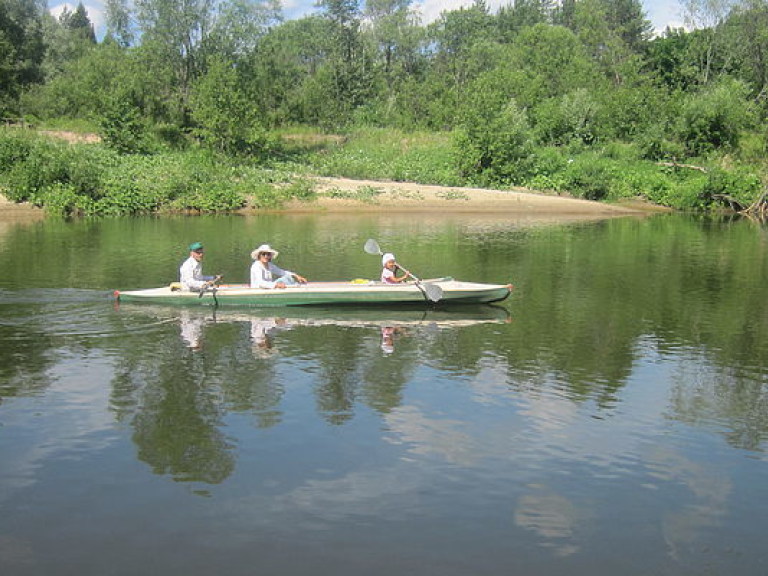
(431, 292)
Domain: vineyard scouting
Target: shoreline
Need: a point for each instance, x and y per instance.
(349, 195)
(346, 195)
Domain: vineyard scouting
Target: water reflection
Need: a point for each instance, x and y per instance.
(237, 362)
(191, 329)
(265, 325)
(388, 339)
(619, 421)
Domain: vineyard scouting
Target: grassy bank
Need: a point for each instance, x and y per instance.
(89, 178)
(606, 173)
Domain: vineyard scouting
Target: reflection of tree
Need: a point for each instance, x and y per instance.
(177, 431)
(339, 373)
(385, 377)
(351, 367)
(176, 413)
(588, 299)
(738, 405)
(24, 361)
(175, 398)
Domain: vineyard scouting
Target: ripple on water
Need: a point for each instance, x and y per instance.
(68, 313)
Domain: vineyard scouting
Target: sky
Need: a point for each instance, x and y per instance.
(661, 13)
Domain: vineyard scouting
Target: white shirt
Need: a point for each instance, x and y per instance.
(388, 276)
(266, 276)
(191, 275)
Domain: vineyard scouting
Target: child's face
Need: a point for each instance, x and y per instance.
(390, 264)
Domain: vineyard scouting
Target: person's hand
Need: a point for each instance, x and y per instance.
(280, 285)
(300, 279)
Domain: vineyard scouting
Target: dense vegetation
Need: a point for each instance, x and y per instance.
(193, 101)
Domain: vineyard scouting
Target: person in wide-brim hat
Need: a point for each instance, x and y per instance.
(266, 274)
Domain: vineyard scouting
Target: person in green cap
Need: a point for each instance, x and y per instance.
(191, 272)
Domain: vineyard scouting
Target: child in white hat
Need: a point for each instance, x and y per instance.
(389, 272)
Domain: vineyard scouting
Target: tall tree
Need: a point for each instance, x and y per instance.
(455, 35)
(708, 16)
(520, 14)
(172, 35)
(349, 63)
(614, 31)
(78, 23)
(749, 24)
(119, 26)
(392, 23)
(240, 25)
(21, 48)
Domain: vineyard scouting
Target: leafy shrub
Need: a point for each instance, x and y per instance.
(713, 119)
(494, 147)
(122, 127)
(15, 146)
(226, 118)
(572, 116)
(60, 199)
(378, 154)
(300, 189)
(590, 177)
(655, 145)
(740, 185)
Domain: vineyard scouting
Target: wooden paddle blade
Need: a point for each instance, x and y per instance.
(372, 247)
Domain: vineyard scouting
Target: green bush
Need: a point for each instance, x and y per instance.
(740, 184)
(377, 154)
(15, 147)
(60, 199)
(122, 127)
(590, 177)
(494, 148)
(713, 119)
(569, 117)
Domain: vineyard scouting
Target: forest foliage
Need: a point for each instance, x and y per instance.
(571, 96)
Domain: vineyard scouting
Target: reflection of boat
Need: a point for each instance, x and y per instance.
(348, 316)
(366, 293)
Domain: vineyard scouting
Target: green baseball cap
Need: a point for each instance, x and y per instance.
(195, 246)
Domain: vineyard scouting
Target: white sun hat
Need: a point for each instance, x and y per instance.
(386, 258)
(264, 248)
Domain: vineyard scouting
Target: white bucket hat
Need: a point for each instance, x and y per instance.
(386, 258)
(264, 248)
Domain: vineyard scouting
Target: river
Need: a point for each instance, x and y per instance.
(610, 417)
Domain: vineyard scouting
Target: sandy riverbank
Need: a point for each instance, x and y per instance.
(343, 194)
(346, 195)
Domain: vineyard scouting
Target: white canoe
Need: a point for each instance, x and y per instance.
(366, 293)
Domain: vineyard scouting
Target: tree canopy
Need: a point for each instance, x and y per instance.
(552, 73)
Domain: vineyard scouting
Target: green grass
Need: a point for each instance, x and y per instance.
(380, 154)
(76, 178)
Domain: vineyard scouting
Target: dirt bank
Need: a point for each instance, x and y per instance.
(346, 195)
(343, 194)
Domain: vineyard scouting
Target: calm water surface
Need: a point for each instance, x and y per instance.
(611, 417)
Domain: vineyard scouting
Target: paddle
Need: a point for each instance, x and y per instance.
(432, 292)
(211, 287)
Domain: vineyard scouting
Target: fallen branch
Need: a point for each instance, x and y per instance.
(677, 165)
(760, 206)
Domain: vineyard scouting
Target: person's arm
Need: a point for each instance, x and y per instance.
(278, 272)
(388, 276)
(299, 278)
